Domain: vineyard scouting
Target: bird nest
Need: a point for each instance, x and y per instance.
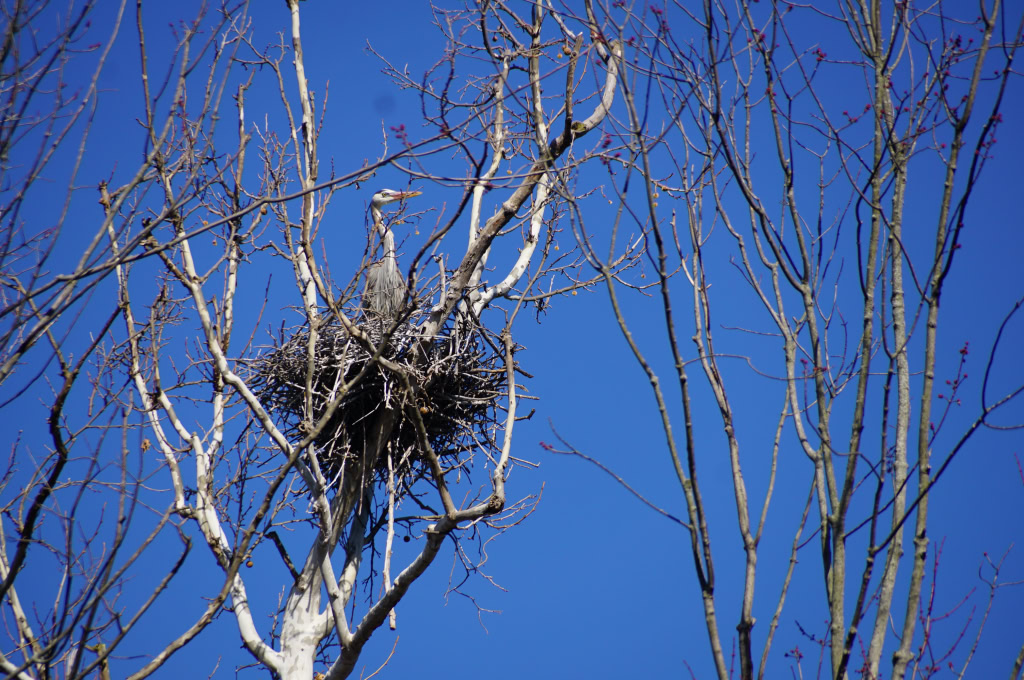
(457, 381)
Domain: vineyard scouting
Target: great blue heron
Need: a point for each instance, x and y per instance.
(385, 285)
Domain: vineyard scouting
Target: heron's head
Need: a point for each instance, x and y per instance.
(385, 196)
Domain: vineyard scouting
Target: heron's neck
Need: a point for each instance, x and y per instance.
(378, 218)
(386, 237)
(389, 244)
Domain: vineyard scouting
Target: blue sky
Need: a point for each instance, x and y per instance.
(592, 584)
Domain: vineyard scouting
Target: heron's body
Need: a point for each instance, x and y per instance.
(385, 284)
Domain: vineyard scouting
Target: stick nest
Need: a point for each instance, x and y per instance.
(458, 380)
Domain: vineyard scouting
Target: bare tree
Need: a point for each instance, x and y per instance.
(756, 168)
(186, 414)
(329, 440)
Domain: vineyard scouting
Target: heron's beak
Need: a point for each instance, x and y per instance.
(408, 194)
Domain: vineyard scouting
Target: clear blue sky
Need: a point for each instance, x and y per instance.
(594, 584)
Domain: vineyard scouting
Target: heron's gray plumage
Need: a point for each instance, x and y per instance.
(385, 284)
